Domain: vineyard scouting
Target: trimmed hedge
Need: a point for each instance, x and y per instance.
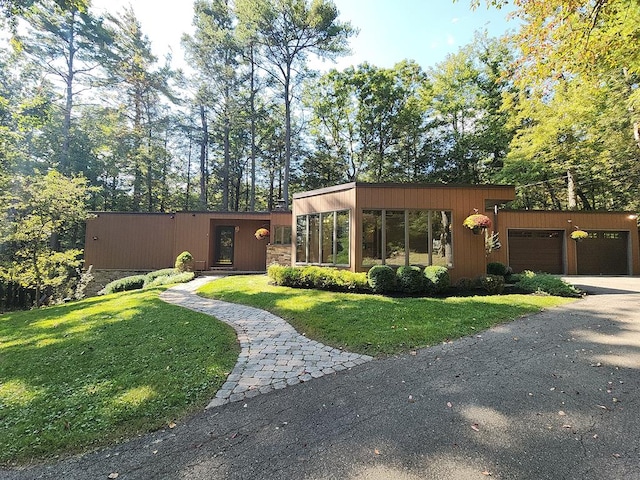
(545, 283)
(322, 278)
(382, 279)
(183, 277)
(437, 279)
(134, 282)
(151, 276)
(410, 279)
(184, 262)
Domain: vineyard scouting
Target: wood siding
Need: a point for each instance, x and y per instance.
(130, 241)
(152, 241)
(566, 222)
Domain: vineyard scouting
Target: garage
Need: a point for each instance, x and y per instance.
(604, 253)
(536, 250)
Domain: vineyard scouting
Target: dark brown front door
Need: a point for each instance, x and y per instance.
(604, 253)
(224, 242)
(536, 250)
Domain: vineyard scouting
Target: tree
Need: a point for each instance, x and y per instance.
(34, 209)
(68, 44)
(287, 31)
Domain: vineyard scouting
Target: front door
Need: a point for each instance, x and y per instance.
(224, 245)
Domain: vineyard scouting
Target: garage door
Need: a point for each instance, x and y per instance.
(604, 253)
(537, 250)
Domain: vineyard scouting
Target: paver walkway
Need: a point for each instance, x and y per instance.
(273, 354)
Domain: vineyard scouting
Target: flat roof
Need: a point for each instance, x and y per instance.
(352, 185)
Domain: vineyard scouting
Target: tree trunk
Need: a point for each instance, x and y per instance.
(203, 159)
(571, 191)
(287, 136)
(186, 198)
(252, 101)
(66, 126)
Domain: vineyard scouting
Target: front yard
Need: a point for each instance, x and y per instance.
(374, 324)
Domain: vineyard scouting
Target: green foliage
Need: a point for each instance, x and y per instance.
(183, 277)
(437, 279)
(547, 284)
(133, 282)
(38, 215)
(410, 279)
(102, 369)
(151, 276)
(320, 278)
(497, 268)
(493, 284)
(184, 262)
(382, 279)
(467, 284)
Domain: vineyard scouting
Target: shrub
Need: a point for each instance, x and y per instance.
(183, 277)
(318, 277)
(497, 268)
(125, 284)
(493, 284)
(410, 279)
(544, 283)
(184, 262)
(151, 276)
(437, 279)
(466, 284)
(381, 279)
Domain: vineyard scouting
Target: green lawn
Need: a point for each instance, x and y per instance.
(374, 324)
(105, 368)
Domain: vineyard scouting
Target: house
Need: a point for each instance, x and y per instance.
(358, 225)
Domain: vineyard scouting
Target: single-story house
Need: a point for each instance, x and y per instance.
(357, 225)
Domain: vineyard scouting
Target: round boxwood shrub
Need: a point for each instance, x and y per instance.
(437, 279)
(184, 262)
(381, 278)
(410, 279)
(497, 268)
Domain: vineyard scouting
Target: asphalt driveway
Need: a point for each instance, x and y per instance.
(548, 396)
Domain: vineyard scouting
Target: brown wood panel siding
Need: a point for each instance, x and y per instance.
(554, 220)
(129, 241)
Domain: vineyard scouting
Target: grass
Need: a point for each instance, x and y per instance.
(374, 324)
(103, 369)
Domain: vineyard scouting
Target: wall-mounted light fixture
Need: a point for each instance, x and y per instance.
(95, 238)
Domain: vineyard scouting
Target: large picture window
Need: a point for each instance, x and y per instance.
(323, 238)
(406, 237)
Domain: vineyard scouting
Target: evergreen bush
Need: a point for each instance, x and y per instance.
(497, 268)
(134, 282)
(437, 279)
(381, 279)
(185, 262)
(493, 284)
(410, 279)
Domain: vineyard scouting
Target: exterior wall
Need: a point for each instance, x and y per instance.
(130, 241)
(142, 241)
(566, 221)
(469, 258)
(102, 277)
(279, 255)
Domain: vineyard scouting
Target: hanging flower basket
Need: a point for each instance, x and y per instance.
(579, 235)
(477, 222)
(261, 233)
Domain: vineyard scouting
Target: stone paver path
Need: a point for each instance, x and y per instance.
(273, 354)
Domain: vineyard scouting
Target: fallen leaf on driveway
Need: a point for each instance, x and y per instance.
(561, 413)
(113, 475)
(475, 428)
(449, 404)
(486, 473)
(172, 425)
(411, 399)
(566, 426)
(376, 452)
(617, 455)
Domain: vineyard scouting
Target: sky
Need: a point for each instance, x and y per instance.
(390, 30)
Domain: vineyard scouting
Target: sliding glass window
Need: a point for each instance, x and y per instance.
(325, 238)
(406, 237)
